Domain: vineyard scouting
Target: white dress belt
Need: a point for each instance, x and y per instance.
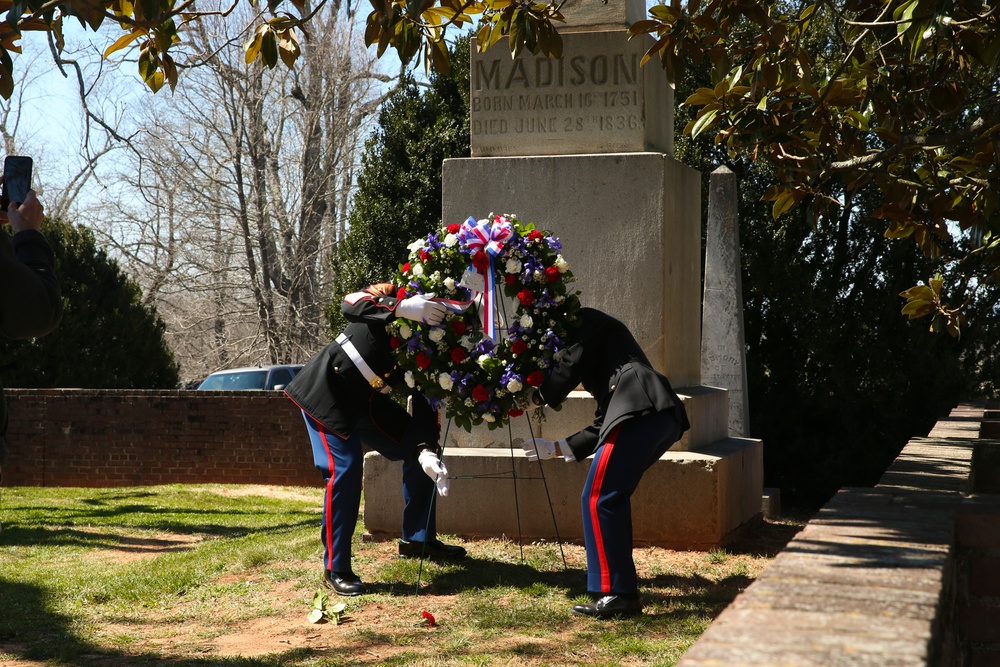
(374, 380)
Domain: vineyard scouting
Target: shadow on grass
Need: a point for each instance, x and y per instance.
(30, 630)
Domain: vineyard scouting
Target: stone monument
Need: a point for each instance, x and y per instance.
(582, 146)
(723, 348)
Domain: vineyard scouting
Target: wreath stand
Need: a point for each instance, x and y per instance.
(499, 304)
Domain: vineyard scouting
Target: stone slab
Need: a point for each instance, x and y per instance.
(706, 408)
(686, 500)
(594, 99)
(606, 15)
(630, 224)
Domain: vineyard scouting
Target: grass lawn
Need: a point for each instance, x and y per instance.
(226, 575)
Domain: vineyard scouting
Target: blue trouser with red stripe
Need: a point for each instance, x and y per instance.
(619, 463)
(341, 463)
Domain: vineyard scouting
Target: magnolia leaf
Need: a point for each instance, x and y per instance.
(706, 118)
(338, 608)
(269, 49)
(918, 292)
(918, 308)
(315, 616)
(6, 82)
(782, 203)
(252, 48)
(169, 70)
(155, 82)
(935, 284)
(124, 41)
(288, 47)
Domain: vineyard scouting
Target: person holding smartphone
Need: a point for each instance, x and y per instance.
(30, 302)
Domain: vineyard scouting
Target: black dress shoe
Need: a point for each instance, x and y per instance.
(431, 549)
(344, 583)
(610, 606)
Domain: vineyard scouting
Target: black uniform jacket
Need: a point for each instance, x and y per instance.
(607, 360)
(331, 390)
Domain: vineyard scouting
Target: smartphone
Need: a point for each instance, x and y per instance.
(16, 180)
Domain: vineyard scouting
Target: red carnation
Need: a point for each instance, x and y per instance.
(480, 394)
(406, 267)
(458, 326)
(535, 235)
(458, 355)
(552, 274)
(480, 261)
(428, 618)
(453, 229)
(401, 294)
(394, 342)
(518, 346)
(526, 297)
(423, 361)
(514, 412)
(510, 278)
(536, 378)
(424, 255)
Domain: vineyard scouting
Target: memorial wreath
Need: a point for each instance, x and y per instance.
(482, 363)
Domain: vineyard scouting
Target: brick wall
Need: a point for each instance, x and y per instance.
(94, 438)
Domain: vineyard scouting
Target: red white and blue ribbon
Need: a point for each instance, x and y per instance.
(489, 237)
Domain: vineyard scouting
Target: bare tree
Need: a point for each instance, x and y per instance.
(243, 178)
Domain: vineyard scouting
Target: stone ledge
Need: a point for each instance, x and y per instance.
(873, 578)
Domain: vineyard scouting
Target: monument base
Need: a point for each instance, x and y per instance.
(698, 496)
(686, 500)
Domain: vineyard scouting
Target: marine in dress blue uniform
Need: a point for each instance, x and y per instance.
(343, 393)
(638, 417)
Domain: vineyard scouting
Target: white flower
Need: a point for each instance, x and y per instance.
(538, 275)
(445, 381)
(526, 321)
(561, 264)
(436, 334)
(416, 246)
(469, 402)
(466, 342)
(514, 386)
(436, 276)
(513, 266)
(417, 270)
(405, 331)
(489, 418)
(483, 360)
(410, 382)
(449, 282)
(443, 346)
(450, 240)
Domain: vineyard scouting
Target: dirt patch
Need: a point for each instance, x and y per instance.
(281, 492)
(130, 547)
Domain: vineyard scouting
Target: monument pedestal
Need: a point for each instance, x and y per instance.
(698, 496)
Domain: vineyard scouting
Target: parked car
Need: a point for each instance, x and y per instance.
(256, 377)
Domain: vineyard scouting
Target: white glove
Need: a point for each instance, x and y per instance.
(434, 469)
(542, 449)
(421, 308)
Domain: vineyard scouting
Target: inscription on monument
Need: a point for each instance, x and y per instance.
(595, 99)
